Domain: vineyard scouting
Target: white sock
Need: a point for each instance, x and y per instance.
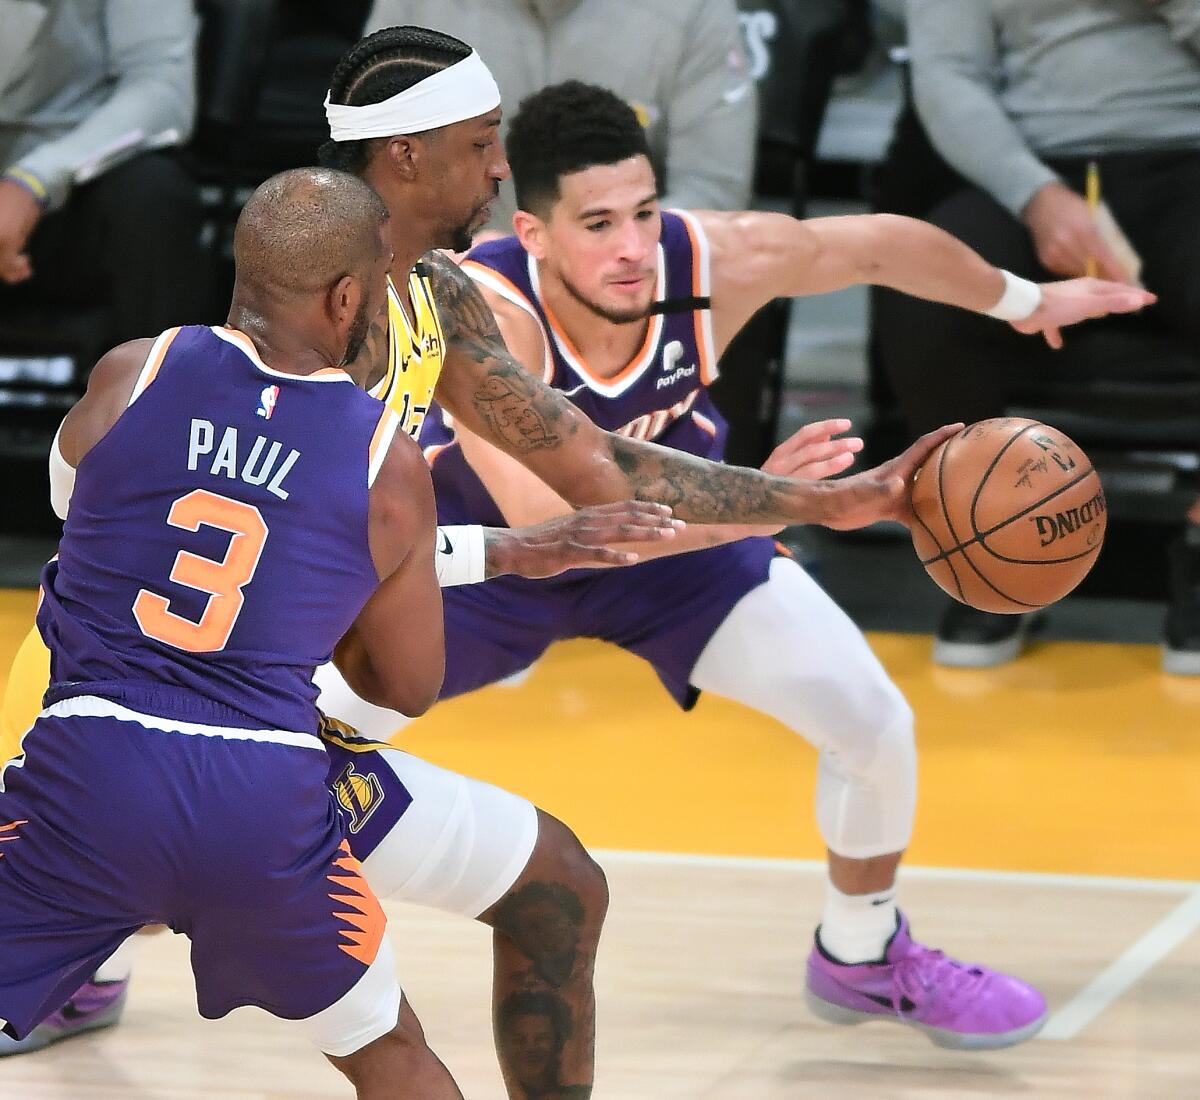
(119, 965)
(855, 928)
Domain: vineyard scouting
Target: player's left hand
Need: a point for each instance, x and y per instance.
(815, 451)
(1075, 300)
(587, 538)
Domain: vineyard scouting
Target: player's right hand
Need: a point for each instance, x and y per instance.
(882, 493)
(1075, 300)
(585, 539)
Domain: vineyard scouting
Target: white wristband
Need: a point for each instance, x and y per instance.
(460, 555)
(1020, 299)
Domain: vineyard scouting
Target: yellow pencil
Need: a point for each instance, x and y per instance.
(1093, 201)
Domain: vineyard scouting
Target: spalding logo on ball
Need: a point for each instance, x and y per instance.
(1009, 515)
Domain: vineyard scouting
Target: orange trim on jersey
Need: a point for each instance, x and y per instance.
(504, 280)
(157, 362)
(707, 374)
(387, 421)
(367, 917)
(247, 345)
(432, 453)
(634, 364)
(492, 273)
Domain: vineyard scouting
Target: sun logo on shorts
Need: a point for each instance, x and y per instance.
(359, 795)
(362, 912)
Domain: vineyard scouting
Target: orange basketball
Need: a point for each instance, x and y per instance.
(1009, 515)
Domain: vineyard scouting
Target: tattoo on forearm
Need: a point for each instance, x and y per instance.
(704, 492)
(519, 409)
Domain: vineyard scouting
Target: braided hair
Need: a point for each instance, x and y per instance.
(378, 67)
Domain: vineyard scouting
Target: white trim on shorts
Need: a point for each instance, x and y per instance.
(366, 1012)
(92, 706)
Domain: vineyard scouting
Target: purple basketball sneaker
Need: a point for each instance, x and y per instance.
(93, 1005)
(957, 1005)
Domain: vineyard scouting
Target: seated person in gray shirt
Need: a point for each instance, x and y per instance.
(89, 212)
(1018, 97)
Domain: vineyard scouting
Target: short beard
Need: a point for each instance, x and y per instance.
(358, 335)
(461, 238)
(614, 316)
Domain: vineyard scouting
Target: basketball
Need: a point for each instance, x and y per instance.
(1009, 515)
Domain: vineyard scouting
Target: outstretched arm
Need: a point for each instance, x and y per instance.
(757, 256)
(490, 394)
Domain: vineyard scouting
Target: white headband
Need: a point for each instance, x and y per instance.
(463, 90)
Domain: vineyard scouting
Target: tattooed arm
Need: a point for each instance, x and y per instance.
(485, 389)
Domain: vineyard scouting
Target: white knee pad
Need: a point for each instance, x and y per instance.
(459, 847)
(787, 650)
(366, 1012)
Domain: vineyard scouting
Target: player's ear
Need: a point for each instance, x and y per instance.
(404, 155)
(531, 232)
(343, 301)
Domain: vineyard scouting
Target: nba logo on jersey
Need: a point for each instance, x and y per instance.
(266, 402)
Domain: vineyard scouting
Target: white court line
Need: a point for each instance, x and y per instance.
(1128, 969)
(1114, 981)
(951, 874)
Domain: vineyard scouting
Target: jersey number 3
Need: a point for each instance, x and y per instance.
(222, 580)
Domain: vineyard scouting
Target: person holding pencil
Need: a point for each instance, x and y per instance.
(1071, 132)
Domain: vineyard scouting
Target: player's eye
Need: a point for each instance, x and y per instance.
(595, 227)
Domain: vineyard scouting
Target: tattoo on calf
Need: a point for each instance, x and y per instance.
(532, 1028)
(545, 920)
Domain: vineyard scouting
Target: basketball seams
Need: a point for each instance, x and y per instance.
(976, 534)
(946, 516)
(978, 539)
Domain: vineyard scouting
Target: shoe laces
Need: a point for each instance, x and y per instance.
(926, 973)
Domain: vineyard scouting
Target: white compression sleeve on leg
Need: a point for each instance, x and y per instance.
(461, 555)
(62, 479)
(337, 699)
(787, 650)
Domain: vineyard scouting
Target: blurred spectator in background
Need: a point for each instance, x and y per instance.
(678, 63)
(1018, 97)
(90, 210)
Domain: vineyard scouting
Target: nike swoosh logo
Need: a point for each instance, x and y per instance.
(884, 901)
(572, 393)
(447, 546)
(906, 1005)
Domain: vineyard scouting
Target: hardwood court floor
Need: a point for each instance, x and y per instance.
(1078, 760)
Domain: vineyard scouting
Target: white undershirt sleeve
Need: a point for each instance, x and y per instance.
(62, 479)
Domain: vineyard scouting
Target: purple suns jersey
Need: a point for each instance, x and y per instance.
(659, 396)
(216, 546)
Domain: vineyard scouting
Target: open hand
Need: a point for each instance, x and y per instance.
(584, 539)
(1068, 303)
(813, 452)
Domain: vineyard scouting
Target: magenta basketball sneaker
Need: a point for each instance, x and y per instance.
(959, 1005)
(92, 1006)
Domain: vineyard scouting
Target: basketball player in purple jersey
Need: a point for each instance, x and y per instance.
(626, 309)
(241, 505)
(439, 185)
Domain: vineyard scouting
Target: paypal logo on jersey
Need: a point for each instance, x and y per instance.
(266, 401)
(671, 373)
